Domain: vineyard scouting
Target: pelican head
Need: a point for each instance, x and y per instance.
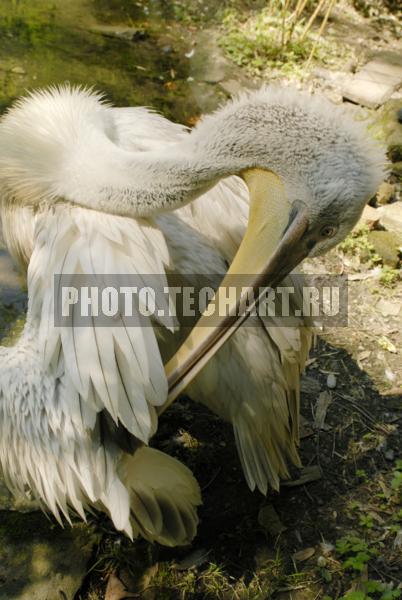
(328, 166)
(310, 169)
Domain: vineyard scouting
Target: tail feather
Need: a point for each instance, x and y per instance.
(164, 497)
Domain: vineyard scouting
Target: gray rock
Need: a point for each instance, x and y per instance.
(39, 560)
(391, 216)
(375, 83)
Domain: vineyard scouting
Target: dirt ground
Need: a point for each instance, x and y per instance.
(336, 530)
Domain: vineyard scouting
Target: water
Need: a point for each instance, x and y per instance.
(135, 52)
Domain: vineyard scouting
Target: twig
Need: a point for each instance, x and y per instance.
(311, 20)
(283, 26)
(321, 31)
(300, 6)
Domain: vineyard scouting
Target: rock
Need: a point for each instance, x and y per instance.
(388, 308)
(388, 129)
(391, 217)
(331, 381)
(370, 218)
(39, 560)
(375, 83)
(385, 193)
(386, 245)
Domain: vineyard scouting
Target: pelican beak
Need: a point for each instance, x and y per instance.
(273, 246)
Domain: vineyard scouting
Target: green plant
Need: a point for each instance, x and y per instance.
(366, 521)
(356, 552)
(396, 482)
(389, 277)
(361, 474)
(276, 36)
(383, 591)
(357, 243)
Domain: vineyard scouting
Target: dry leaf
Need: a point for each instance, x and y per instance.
(305, 554)
(195, 559)
(116, 590)
(307, 475)
(323, 402)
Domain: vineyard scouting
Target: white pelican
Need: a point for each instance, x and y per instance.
(88, 188)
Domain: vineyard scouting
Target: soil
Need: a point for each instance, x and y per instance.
(237, 553)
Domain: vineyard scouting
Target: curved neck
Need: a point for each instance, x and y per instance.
(102, 176)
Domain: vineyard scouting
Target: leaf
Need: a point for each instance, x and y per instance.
(355, 596)
(195, 559)
(116, 590)
(323, 403)
(305, 554)
(308, 474)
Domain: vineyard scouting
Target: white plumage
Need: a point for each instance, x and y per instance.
(72, 398)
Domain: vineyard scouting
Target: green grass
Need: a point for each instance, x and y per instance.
(262, 41)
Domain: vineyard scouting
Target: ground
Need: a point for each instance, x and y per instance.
(336, 530)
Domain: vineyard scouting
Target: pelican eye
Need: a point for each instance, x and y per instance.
(328, 231)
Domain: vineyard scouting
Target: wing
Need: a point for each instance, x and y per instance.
(116, 368)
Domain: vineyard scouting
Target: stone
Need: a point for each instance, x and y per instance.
(375, 83)
(387, 245)
(388, 308)
(370, 218)
(385, 193)
(18, 70)
(331, 381)
(387, 128)
(391, 216)
(41, 561)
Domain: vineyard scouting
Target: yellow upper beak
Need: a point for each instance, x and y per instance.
(270, 249)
